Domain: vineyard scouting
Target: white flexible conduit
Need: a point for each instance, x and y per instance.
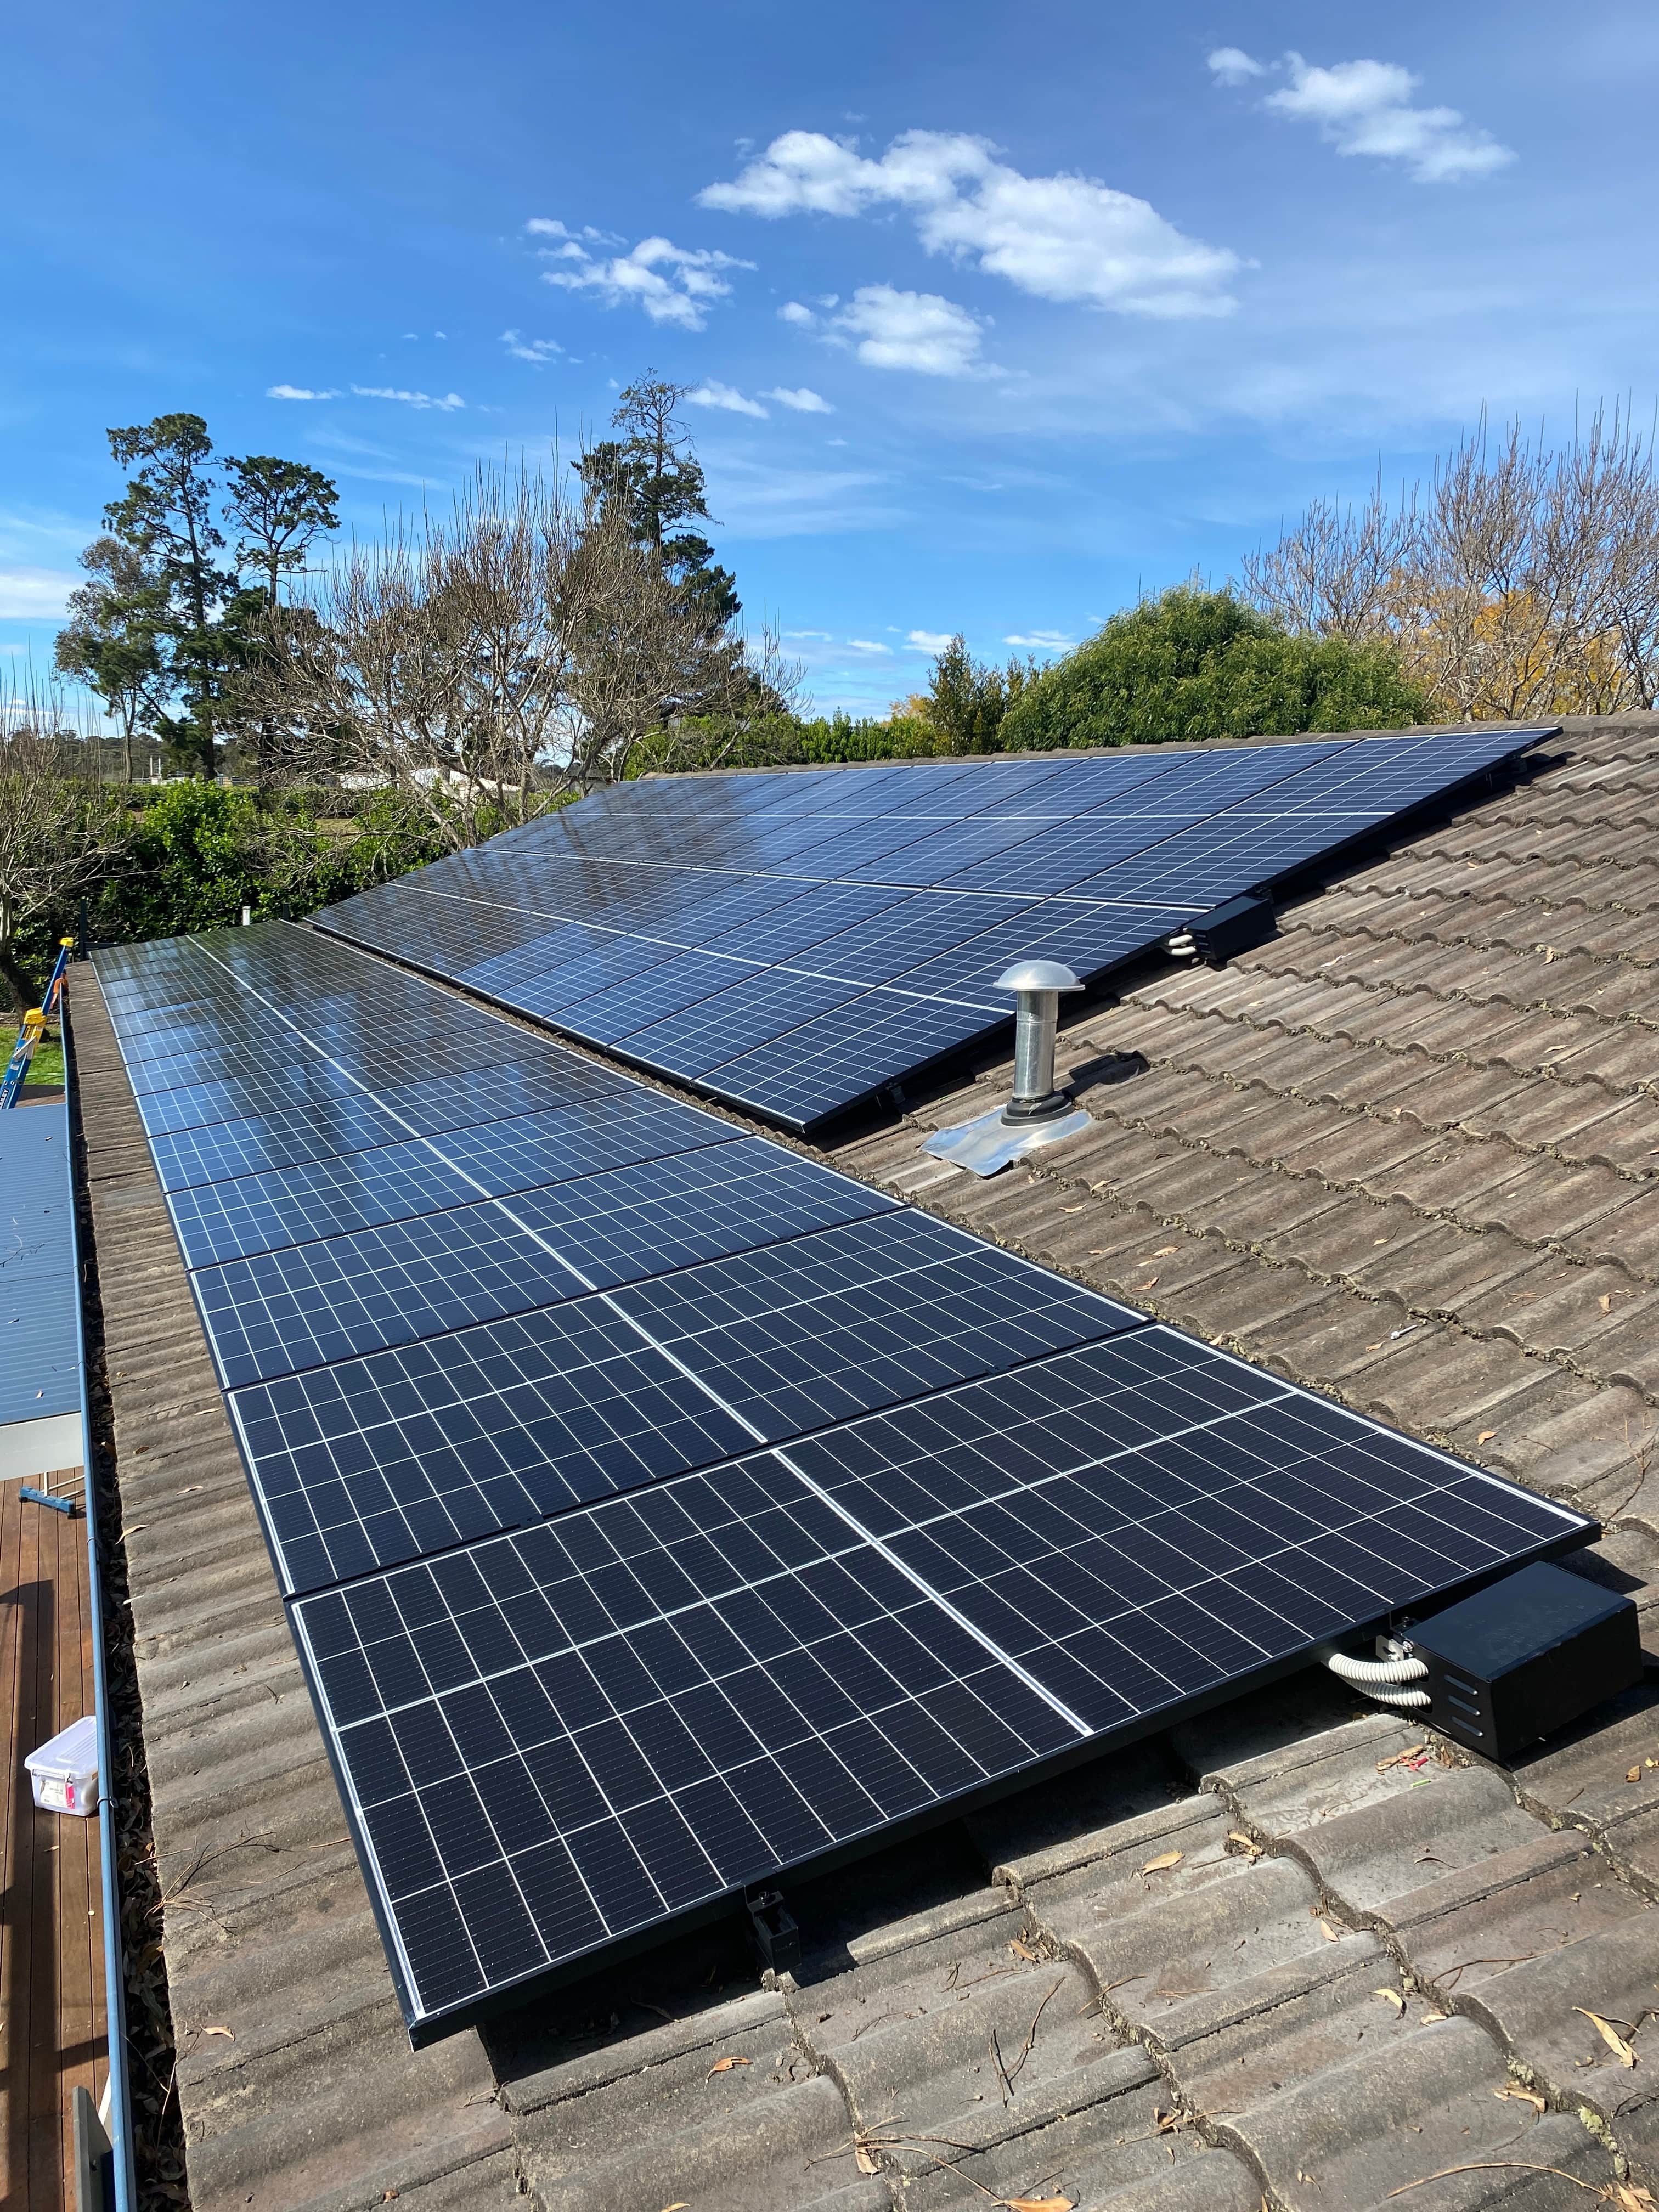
(1380, 1678)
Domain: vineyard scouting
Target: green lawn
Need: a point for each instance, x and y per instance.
(46, 1068)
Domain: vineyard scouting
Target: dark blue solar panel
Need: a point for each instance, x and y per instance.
(665, 1698)
(661, 1511)
(875, 879)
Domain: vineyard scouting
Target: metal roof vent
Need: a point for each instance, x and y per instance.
(1037, 1114)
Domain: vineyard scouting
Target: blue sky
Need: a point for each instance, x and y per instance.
(997, 315)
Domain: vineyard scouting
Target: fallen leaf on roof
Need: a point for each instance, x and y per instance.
(1609, 2035)
(1413, 1755)
(1150, 1284)
(1162, 1865)
(1167, 2122)
(1486, 1435)
(1635, 1774)
(225, 2031)
(1605, 1302)
(1036, 2204)
(865, 2159)
(1331, 1934)
(1247, 1845)
(1163, 1251)
(1394, 1998)
(1523, 2096)
(725, 2066)
(1023, 1950)
(1429, 2019)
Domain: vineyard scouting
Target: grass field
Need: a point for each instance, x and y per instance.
(46, 1068)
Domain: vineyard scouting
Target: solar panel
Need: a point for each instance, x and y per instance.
(659, 1511)
(799, 943)
(553, 1741)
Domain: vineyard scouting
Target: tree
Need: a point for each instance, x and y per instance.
(652, 475)
(968, 699)
(59, 833)
(279, 507)
(166, 515)
(1523, 580)
(522, 641)
(1195, 663)
(112, 641)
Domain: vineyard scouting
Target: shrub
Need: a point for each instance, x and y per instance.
(1195, 664)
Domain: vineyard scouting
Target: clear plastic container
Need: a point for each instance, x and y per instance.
(64, 1772)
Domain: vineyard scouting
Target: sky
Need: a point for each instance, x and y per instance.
(994, 319)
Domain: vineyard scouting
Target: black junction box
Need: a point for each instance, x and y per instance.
(1234, 926)
(1523, 1658)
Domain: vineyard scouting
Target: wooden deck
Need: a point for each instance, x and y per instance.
(51, 1944)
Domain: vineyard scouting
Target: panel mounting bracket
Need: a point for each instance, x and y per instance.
(776, 1937)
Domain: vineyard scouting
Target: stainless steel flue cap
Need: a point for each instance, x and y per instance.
(1037, 976)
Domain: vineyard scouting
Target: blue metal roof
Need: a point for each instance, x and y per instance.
(39, 1353)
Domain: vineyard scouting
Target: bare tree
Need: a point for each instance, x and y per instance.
(60, 832)
(485, 663)
(1523, 580)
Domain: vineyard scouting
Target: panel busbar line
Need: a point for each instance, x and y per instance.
(798, 944)
(496, 1345)
(690, 1514)
(552, 1741)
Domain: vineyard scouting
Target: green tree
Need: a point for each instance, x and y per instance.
(167, 515)
(278, 507)
(1193, 664)
(652, 473)
(112, 641)
(969, 699)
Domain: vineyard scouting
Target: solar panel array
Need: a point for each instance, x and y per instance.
(796, 942)
(657, 1510)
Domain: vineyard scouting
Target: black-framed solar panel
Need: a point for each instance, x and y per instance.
(550, 1742)
(659, 1512)
(709, 929)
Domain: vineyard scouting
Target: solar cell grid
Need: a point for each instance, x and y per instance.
(649, 1218)
(660, 1703)
(660, 1510)
(1143, 1519)
(684, 871)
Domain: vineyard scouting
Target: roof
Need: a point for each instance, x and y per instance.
(39, 1345)
(1404, 1153)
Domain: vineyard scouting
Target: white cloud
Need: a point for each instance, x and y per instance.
(448, 402)
(1232, 66)
(793, 311)
(1065, 237)
(1043, 641)
(297, 391)
(823, 635)
(34, 594)
(1364, 107)
(536, 349)
(715, 394)
(866, 645)
(803, 399)
(929, 641)
(910, 329)
(547, 226)
(672, 283)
